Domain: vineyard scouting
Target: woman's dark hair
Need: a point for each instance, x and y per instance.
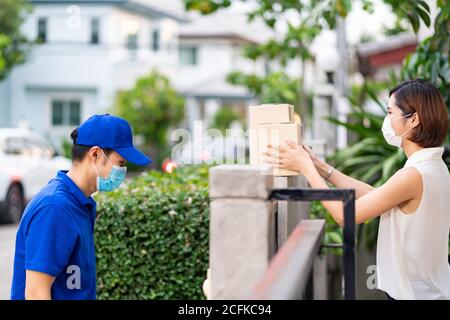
(424, 98)
(79, 151)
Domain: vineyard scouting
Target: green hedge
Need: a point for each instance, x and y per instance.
(152, 237)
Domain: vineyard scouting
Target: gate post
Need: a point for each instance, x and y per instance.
(242, 235)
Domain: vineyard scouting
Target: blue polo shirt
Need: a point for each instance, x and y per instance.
(56, 237)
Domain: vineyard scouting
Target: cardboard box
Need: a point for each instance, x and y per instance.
(271, 114)
(261, 135)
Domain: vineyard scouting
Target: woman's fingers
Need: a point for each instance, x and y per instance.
(293, 145)
(273, 160)
(274, 154)
(307, 148)
(277, 148)
(271, 153)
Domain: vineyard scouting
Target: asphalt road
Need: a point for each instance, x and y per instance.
(7, 242)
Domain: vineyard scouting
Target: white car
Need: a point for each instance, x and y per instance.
(27, 163)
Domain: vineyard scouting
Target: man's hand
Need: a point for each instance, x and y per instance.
(38, 285)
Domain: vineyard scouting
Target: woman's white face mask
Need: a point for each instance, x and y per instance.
(389, 133)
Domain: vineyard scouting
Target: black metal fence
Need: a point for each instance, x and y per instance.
(347, 196)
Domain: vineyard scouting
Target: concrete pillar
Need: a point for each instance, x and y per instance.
(211, 108)
(193, 112)
(242, 235)
(322, 128)
(343, 109)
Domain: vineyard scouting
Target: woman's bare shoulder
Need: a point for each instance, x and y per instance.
(410, 178)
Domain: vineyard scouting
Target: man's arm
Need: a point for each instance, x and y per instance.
(49, 244)
(38, 285)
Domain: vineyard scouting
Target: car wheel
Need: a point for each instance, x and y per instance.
(14, 204)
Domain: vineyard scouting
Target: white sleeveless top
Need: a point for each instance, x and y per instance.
(412, 249)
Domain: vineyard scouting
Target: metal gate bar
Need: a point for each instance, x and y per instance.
(347, 196)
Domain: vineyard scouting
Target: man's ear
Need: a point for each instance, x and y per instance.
(93, 152)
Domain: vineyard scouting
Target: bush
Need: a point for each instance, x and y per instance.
(152, 237)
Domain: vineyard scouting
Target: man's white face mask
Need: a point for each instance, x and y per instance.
(389, 133)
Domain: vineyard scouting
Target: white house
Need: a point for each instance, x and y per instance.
(210, 48)
(89, 51)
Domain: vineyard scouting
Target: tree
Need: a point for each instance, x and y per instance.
(370, 159)
(276, 87)
(14, 46)
(312, 16)
(432, 57)
(152, 106)
(223, 118)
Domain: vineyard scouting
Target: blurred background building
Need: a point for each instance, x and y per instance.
(90, 50)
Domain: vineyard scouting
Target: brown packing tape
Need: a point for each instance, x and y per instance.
(271, 114)
(276, 134)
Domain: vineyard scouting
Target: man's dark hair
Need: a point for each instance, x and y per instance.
(79, 151)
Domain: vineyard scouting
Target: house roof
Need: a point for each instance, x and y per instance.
(133, 6)
(216, 87)
(390, 43)
(385, 53)
(225, 25)
(175, 7)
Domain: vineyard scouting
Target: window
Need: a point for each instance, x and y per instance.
(95, 31)
(28, 146)
(66, 112)
(15, 146)
(38, 148)
(155, 40)
(132, 41)
(42, 30)
(188, 56)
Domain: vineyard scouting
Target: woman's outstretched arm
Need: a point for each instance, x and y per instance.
(405, 185)
(339, 179)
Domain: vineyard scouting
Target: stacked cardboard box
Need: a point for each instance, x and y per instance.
(272, 124)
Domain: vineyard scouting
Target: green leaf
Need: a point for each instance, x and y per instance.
(414, 20)
(374, 98)
(424, 16)
(424, 5)
(362, 160)
(360, 129)
(372, 171)
(388, 166)
(335, 237)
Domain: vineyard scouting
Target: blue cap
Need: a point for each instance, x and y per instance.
(111, 132)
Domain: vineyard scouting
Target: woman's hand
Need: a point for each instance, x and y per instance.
(291, 157)
(321, 166)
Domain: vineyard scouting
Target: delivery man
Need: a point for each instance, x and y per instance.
(55, 257)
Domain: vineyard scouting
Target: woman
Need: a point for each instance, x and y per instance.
(414, 204)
